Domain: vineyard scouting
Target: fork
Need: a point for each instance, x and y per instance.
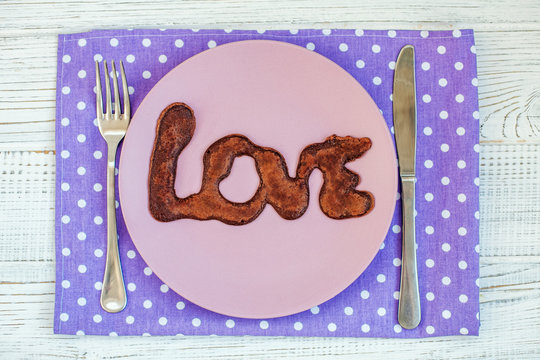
(112, 127)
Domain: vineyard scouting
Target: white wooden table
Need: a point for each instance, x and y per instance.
(508, 48)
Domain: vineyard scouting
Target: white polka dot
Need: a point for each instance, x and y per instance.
(429, 230)
(458, 65)
(463, 331)
(476, 115)
(477, 316)
(263, 324)
(81, 74)
(81, 301)
(443, 82)
(396, 229)
(81, 138)
(64, 154)
(376, 49)
(146, 42)
(229, 323)
(473, 49)
(441, 49)
(462, 197)
(163, 288)
(98, 220)
(196, 322)
(64, 317)
(97, 318)
(131, 254)
(360, 64)
(382, 246)
(332, 327)
(147, 271)
(343, 47)
(64, 186)
(430, 329)
(147, 304)
(114, 42)
(446, 280)
(81, 105)
(428, 196)
(396, 295)
(477, 181)
(98, 57)
(445, 147)
(261, 31)
(81, 203)
(162, 321)
(359, 32)
(462, 232)
(113, 333)
(146, 334)
(66, 219)
(460, 131)
(98, 285)
(326, 31)
(131, 90)
(82, 269)
(428, 131)
(398, 196)
(445, 214)
(424, 33)
(98, 155)
(430, 296)
(445, 247)
(293, 31)
(130, 58)
(430, 263)
(98, 187)
(365, 328)
(426, 98)
(477, 282)
(474, 82)
(211, 44)
(81, 42)
(66, 90)
(179, 43)
(477, 215)
(66, 284)
(364, 294)
(396, 262)
(377, 80)
(428, 164)
(315, 310)
(180, 305)
(456, 33)
(162, 59)
(348, 310)
(381, 278)
(397, 328)
(298, 326)
(146, 74)
(460, 98)
(66, 58)
(461, 164)
(391, 33)
(463, 298)
(310, 46)
(131, 286)
(445, 180)
(425, 66)
(446, 314)
(98, 253)
(130, 319)
(64, 121)
(391, 66)
(462, 265)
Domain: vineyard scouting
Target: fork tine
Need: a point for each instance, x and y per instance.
(108, 107)
(99, 96)
(127, 107)
(116, 94)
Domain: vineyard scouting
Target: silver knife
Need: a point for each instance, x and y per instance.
(404, 101)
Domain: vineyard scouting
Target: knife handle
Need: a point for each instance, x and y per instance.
(409, 297)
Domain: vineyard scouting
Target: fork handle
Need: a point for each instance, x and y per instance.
(409, 297)
(113, 293)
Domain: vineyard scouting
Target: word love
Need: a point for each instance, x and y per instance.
(338, 197)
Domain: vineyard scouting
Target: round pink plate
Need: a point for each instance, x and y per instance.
(281, 96)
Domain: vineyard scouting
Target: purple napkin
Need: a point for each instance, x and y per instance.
(446, 197)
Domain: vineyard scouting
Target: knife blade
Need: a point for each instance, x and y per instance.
(404, 107)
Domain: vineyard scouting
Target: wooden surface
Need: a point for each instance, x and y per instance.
(508, 48)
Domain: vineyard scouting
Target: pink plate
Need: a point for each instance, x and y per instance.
(281, 96)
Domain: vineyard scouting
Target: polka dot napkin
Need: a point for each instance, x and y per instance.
(446, 197)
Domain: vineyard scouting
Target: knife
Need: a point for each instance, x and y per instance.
(404, 103)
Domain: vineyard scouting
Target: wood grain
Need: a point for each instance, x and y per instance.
(508, 49)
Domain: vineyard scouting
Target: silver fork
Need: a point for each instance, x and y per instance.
(112, 127)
